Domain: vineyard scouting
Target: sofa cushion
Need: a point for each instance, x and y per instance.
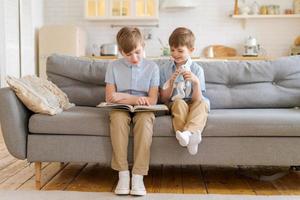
(83, 120)
(231, 122)
(39, 95)
(253, 122)
(80, 78)
(77, 120)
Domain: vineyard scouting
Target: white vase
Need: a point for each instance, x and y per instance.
(255, 8)
(245, 10)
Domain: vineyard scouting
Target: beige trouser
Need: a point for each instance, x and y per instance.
(189, 116)
(142, 133)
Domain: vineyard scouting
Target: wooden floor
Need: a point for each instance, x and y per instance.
(19, 175)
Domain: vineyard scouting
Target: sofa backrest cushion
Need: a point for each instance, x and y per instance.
(229, 84)
(81, 79)
(254, 84)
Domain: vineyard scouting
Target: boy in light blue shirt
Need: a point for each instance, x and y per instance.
(131, 80)
(182, 85)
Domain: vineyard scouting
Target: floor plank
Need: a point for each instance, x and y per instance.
(15, 181)
(192, 181)
(48, 172)
(253, 174)
(12, 169)
(3, 150)
(6, 161)
(224, 180)
(171, 180)
(289, 184)
(153, 179)
(94, 178)
(62, 180)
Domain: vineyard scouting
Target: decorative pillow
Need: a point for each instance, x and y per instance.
(39, 95)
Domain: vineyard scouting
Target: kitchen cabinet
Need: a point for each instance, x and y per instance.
(121, 10)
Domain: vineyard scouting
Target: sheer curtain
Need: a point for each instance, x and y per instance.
(18, 22)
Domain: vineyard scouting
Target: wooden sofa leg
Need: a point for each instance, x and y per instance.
(38, 173)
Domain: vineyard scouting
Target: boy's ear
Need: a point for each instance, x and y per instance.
(192, 49)
(122, 52)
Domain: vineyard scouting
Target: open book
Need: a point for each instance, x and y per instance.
(137, 108)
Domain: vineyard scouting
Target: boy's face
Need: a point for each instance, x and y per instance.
(135, 56)
(181, 54)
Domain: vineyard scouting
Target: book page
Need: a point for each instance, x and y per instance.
(116, 106)
(137, 108)
(156, 107)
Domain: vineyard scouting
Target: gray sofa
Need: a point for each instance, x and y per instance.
(254, 118)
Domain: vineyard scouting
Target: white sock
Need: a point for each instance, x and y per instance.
(183, 137)
(194, 141)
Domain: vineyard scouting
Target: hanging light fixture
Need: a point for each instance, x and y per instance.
(178, 4)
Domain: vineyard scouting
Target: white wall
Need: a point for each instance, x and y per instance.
(37, 8)
(32, 19)
(27, 38)
(210, 22)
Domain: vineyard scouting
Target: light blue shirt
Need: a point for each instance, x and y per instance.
(168, 68)
(133, 79)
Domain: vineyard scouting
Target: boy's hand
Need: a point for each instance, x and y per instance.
(174, 75)
(190, 76)
(142, 101)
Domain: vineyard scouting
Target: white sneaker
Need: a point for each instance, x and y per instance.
(183, 137)
(123, 183)
(194, 141)
(137, 185)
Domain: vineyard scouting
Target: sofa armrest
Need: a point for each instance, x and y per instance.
(14, 117)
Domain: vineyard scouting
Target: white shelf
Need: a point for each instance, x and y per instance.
(244, 18)
(292, 16)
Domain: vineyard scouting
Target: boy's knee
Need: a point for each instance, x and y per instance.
(200, 104)
(178, 102)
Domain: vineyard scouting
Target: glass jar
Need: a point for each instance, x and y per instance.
(263, 10)
(255, 8)
(271, 10)
(277, 10)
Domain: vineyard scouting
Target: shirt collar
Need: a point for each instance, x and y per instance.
(128, 64)
(187, 64)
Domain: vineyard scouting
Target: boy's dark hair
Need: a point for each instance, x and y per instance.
(182, 36)
(128, 38)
